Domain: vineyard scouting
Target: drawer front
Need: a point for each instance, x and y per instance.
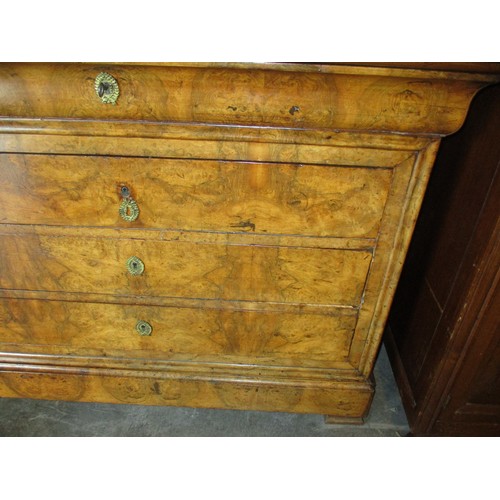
(194, 195)
(183, 269)
(178, 94)
(177, 333)
(312, 97)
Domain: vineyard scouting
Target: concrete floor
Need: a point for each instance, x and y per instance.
(24, 417)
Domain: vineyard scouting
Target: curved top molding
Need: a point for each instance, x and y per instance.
(299, 96)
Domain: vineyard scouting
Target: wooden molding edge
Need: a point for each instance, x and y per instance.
(350, 400)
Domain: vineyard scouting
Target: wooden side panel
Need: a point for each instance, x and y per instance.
(447, 362)
(409, 183)
(42, 261)
(216, 335)
(474, 404)
(194, 195)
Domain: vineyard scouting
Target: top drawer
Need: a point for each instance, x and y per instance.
(298, 96)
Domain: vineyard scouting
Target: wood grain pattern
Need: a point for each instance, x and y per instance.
(201, 237)
(55, 262)
(270, 338)
(238, 136)
(362, 154)
(170, 388)
(410, 181)
(229, 95)
(179, 302)
(62, 357)
(277, 204)
(194, 195)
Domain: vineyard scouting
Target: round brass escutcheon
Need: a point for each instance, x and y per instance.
(143, 328)
(135, 266)
(106, 88)
(129, 210)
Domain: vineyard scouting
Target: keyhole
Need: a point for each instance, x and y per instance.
(103, 88)
(143, 328)
(125, 191)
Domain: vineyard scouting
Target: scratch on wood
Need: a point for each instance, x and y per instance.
(245, 224)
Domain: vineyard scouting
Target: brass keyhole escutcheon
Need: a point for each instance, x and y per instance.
(106, 88)
(143, 328)
(135, 266)
(129, 210)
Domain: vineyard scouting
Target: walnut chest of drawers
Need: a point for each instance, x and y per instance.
(210, 235)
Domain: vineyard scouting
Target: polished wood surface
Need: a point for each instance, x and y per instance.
(163, 388)
(54, 261)
(180, 334)
(277, 203)
(194, 194)
(334, 98)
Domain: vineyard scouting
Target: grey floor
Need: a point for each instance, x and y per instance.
(24, 417)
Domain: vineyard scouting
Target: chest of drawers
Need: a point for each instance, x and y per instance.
(210, 235)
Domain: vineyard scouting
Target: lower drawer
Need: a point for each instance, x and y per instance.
(190, 269)
(212, 335)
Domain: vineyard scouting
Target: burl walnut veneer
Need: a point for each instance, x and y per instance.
(210, 235)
